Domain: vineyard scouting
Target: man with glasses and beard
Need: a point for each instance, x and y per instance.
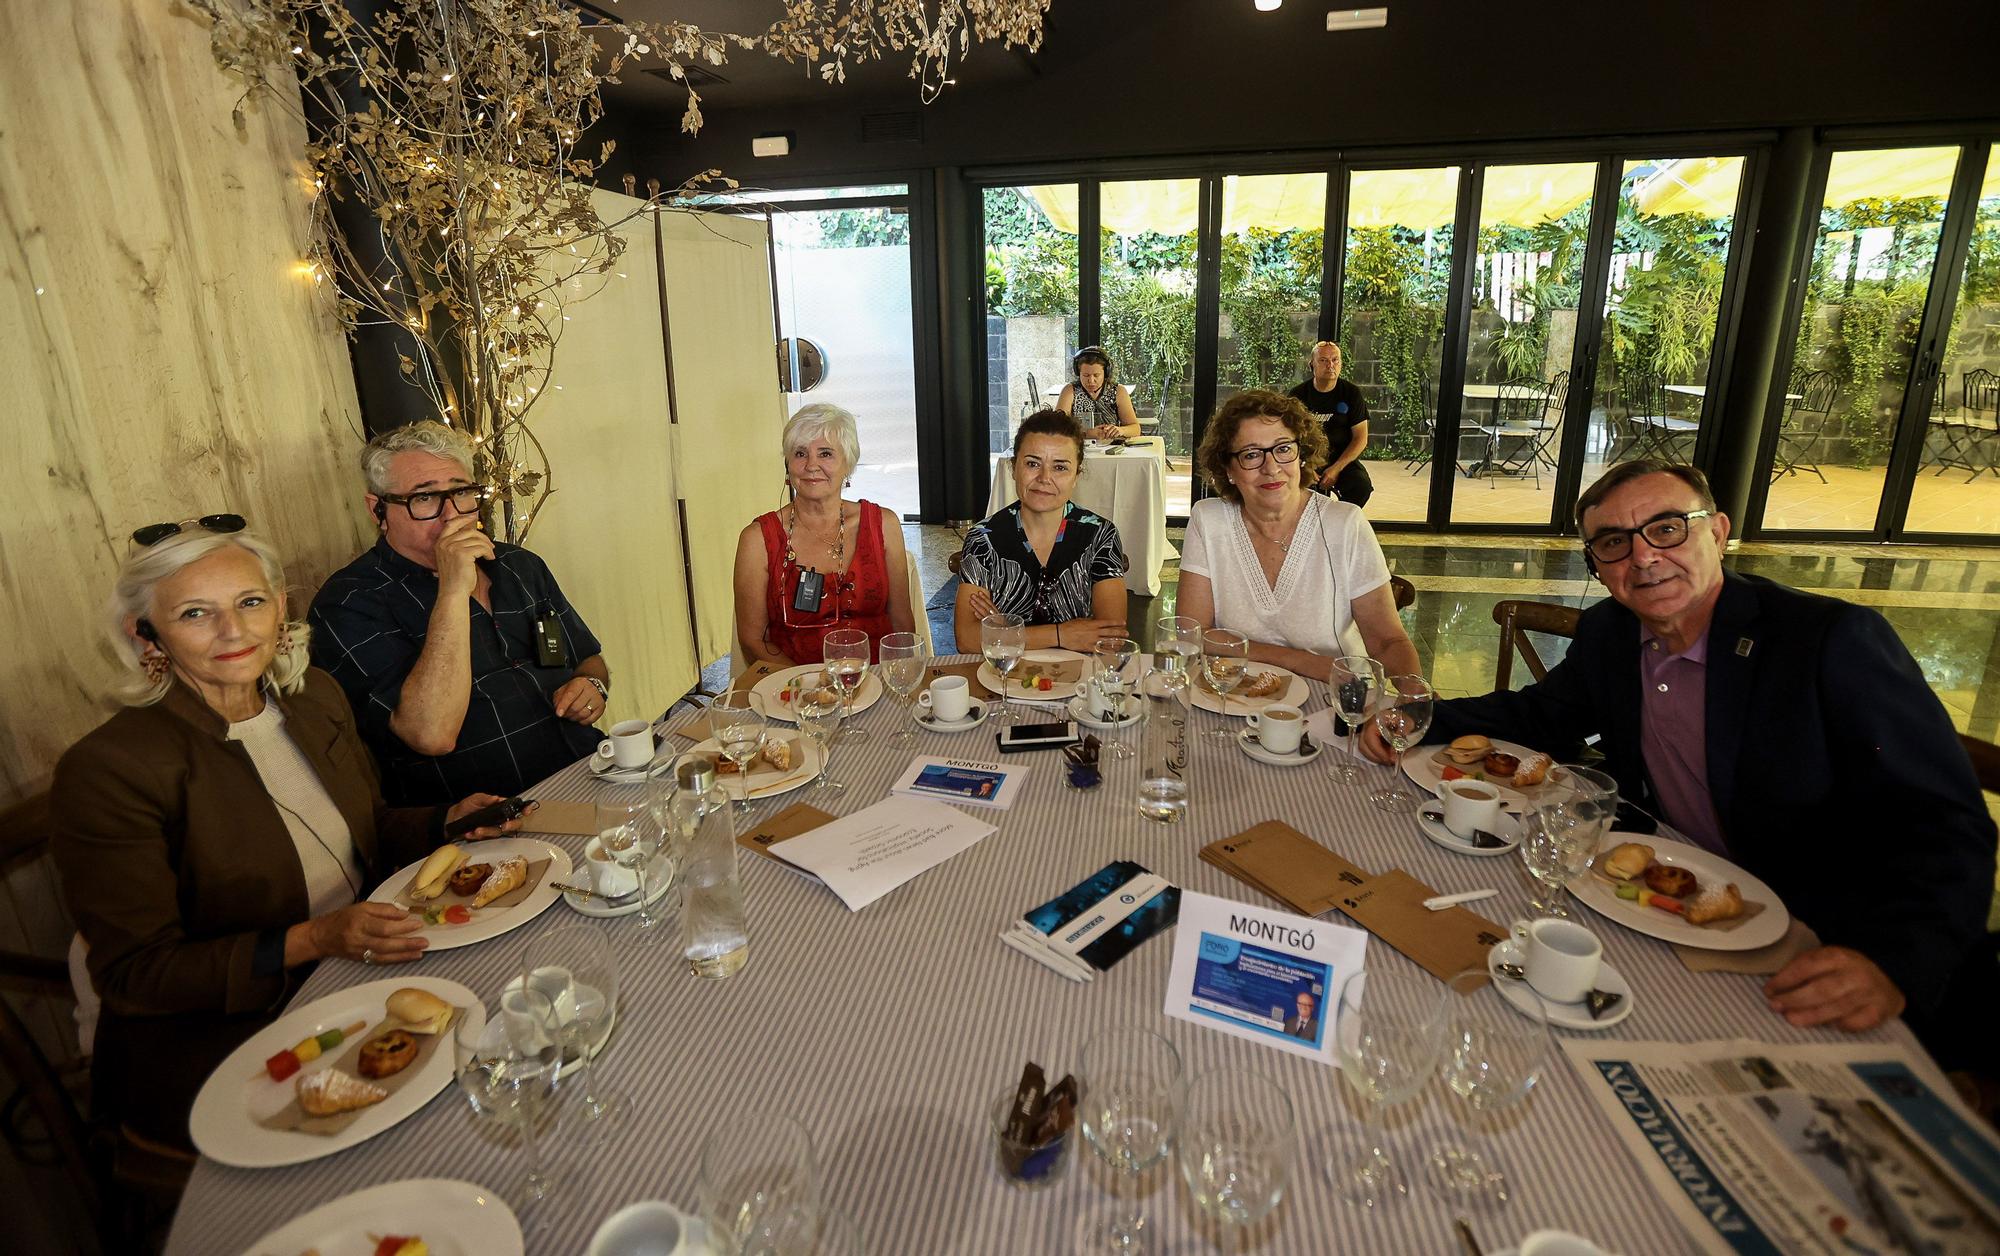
(1790, 733)
(461, 657)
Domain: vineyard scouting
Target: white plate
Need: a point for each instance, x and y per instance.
(802, 772)
(1422, 767)
(452, 1218)
(1245, 743)
(975, 715)
(771, 686)
(1600, 895)
(1081, 714)
(488, 922)
(595, 908)
(1293, 694)
(238, 1093)
(1507, 828)
(1011, 688)
(1562, 1015)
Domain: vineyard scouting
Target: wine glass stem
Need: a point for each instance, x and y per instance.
(538, 1182)
(580, 1034)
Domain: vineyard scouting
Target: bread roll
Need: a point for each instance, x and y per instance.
(1471, 748)
(436, 872)
(511, 874)
(420, 1011)
(1626, 861)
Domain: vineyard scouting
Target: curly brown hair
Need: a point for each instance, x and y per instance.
(1257, 403)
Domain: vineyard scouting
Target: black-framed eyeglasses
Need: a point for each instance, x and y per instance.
(1284, 453)
(427, 506)
(154, 533)
(1665, 532)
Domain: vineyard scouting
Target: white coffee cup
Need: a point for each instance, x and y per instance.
(949, 699)
(1470, 806)
(1278, 728)
(606, 875)
(1559, 957)
(630, 744)
(650, 1228)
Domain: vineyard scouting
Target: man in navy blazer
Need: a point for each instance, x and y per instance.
(1791, 733)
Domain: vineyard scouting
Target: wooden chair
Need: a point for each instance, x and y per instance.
(1985, 758)
(1406, 593)
(1518, 618)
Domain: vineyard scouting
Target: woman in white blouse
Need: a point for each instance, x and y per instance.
(1291, 570)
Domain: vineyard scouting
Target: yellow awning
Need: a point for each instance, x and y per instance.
(1707, 185)
(1417, 199)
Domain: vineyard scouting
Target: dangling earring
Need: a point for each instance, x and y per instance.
(155, 665)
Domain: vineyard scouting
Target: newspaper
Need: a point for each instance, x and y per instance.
(1836, 1148)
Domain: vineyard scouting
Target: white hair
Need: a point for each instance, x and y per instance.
(132, 598)
(824, 419)
(425, 436)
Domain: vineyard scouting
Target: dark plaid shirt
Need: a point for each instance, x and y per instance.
(369, 624)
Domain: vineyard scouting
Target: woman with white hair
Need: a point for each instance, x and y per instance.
(820, 562)
(219, 835)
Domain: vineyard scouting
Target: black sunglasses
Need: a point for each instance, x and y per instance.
(154, 533)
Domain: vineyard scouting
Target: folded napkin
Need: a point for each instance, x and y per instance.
(968, 670)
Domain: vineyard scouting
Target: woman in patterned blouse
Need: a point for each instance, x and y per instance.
(1044, 558)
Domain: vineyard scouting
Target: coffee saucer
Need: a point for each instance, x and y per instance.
(975, 715)
(1505, 827)
(1247, 742)
(602, 767)
(1081, 714)
(1576, 1015)
(596, 907)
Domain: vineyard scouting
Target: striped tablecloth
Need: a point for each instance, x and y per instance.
(889, 1031)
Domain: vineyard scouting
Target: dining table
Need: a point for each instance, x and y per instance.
(1128, 487)
(889, 1031)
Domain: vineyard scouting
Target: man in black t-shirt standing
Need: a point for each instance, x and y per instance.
(1344, 414)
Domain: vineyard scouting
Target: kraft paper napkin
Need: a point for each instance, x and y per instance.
(293, 1117)
(1761, 962)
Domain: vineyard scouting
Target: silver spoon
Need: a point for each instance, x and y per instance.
(1599, 1001)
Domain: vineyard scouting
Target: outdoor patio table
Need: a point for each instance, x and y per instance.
(888, 1032)
(1130, 489)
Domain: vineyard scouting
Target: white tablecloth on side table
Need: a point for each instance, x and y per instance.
(1130, 489)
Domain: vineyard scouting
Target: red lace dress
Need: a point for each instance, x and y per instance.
(857, 598)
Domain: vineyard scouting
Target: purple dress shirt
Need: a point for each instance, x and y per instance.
(1673, 736)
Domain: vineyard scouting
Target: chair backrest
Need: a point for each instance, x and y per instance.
(1641, 395)
(1985, 758)
(1521, 403)
(1816, 390)
(1517, 618)
(1980, 390)
(1406, 593)
(1558, 398)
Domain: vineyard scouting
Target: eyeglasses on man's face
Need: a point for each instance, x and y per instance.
(1666, 532)
(427, 506)
(1284, 453)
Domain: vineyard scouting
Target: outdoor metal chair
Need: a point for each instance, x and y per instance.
(1649, 430)
(1520, 433)
(1033, 399)
(1516, 618)
(1803, 429)
(1965, 435)
(1427, 438)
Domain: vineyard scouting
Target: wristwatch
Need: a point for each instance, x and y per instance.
(602, 690)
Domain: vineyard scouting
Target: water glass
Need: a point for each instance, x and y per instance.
(1237, 1142)
(760, 1186)
(1176, 642)
(1493, 1054)
(633, 835)
(1129, 1096)
(506, 1067)
(740, 727)
(1225, 659)
(1402, 717)
(571, 966)
(1386, 1030)
(1572, 813)
(1353, 686)
(1114, 667)
(845, 652)
(818, 709)
(902, 668)
(1002, 639)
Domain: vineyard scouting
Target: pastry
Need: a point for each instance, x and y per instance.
(432, 878)
(1534, 770)
(387, 1054)
(1713, 904)
(779, 754)
(420, 1011)
(331, 1091)
(1501, 764)
(510, 874)
(1671, 881)
(1625, 861)
(467, 878)
(1263, 685)
(1469, 749)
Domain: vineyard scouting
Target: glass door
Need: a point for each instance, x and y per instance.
(1146, 275)
(1273, 251)
(1031, 302)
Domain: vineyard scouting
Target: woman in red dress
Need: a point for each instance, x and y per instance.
(821, 562)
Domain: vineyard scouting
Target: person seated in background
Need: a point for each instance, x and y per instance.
(1096, 400)
(822, 562)
(1343, 412)
(1294, 572)
(1044, 558)
(1792, 734)
(459, 653)
(219, 835)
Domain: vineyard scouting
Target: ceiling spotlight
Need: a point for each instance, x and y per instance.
(1268, 6)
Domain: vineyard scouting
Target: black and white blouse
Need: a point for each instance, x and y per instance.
(999, 559)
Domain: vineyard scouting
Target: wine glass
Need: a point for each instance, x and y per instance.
(740, 727)
(1493, 1055)
(1353, 684)
(1236, 1146)
(1002, 638)
(1403, 716)
(1225, 657)
(845, 651)
(1112, 676)
(506, 1067)
(1386, 1032)
(818, 709)
(1129, 1105)
(571, 966)
(902, 671)
(1176, 640)
(760, 1186)
(1571, 814)
(632, 835)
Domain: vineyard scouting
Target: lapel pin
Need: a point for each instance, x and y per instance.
(1743, 647)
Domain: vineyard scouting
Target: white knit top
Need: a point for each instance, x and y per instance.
(326, 848)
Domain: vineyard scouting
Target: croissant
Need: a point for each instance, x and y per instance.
(331, 1091)
(1713, 904)
(509, 874)
(779, 755)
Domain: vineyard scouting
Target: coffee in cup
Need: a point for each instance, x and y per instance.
(630, 744)
(1470, 807)
(1278, 728)
(949, 699)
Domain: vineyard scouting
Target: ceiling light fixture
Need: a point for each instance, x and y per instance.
(1268, 6)
(1356, 19)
